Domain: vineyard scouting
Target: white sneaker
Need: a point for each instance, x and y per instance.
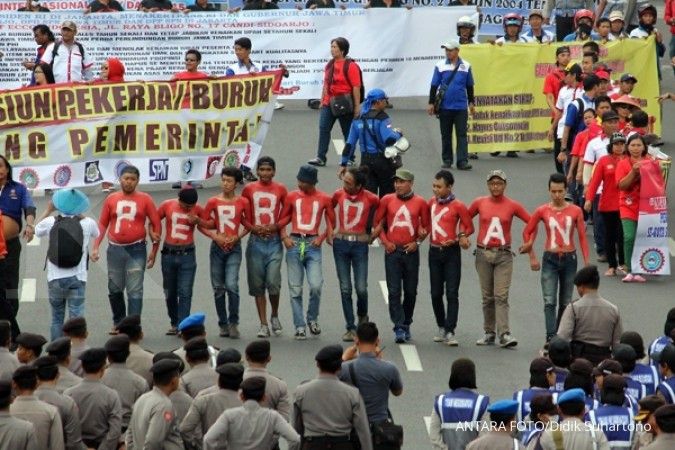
(300, 334)
(279, 105)
(264, 331)
(276, 325)
(507, 340)
(450, 340)
(440, 336)
(488, 339)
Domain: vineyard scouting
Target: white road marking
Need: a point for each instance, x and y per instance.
(385, 291)
(35, 242)
(411, 357)
(339, 145)
(37, 193)
(28, 290)
(671, 244)
(427, 423)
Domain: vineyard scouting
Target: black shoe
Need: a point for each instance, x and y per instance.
(495, 153)
(314, 103)
(511, 154)
(473, 155)
(317, 162)
(465, 166)
(446, 166)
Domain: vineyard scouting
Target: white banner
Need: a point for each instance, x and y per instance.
(396, 48)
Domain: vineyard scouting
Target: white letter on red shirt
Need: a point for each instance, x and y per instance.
(494, 231)
(435, 220)
(566, 232)
(126, 210)
(179, 230)
(259, 210)
(402, 219)
(298, 215)
(346, 206)
(225, 215)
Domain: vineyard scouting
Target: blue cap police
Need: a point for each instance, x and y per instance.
(505, 407)
(70, 201)
(193, 320)
(575, 395)
(308, 174)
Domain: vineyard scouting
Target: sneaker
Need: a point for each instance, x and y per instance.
(450, 339)
(172, 331)
(224, 331)
(278, 106)
(234, 331)
(507, 340)
(446, 165)
(363, 319)
(399, 336)
(276, 325)
(349, 336)
(511, 154)
(317, 162)
(466, 166)
(440, 336)
(300, 334)
(488, 339)
(602, 258)
(639, 279)
(351, 163)
(408, 336)
(264, 331)
(473, 155)
(629, 278)
(314, 327)
(248, 176)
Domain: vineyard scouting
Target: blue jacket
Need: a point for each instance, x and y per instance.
(15, 198)
(460, 91)
(378, 126)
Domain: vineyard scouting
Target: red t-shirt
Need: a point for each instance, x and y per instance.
(127, 215)
(353, 211)
(266, 201)
(305, 212)
(228, 215)
(629, 200)
(553, 83)
(559, 225)
(445, 218)
(339, 84)
(605, 173)
(179, 230)
(190, 75)
(403, 218)
(3, 244)
(495, 216)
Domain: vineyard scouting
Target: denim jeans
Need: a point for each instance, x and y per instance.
(598, 227)
(445, 271)
(300, 262)
(263, 265)
(65, 292)
(126, 270)
(225, 280)
(557, 286)
(178, 277)
(457, 118)
(352, 256)
(326, 122)
(402, 269)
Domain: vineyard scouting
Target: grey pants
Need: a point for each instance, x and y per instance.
(494, 267)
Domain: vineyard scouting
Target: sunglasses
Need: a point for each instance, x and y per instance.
(190, 60)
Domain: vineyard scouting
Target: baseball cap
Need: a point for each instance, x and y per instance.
(628, 77)
(603, 75)
(69, 24)
(562, 49)
(617, 137)
(616, 15)
(498, 174)
(573, 68)
(609, 115)
(452, 44)
(404, 174)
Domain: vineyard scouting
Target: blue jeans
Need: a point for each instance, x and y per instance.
(457, 118)
(178, 277)
(326, 122)
(352, 256)
(299, 264)
(225, 280)
(65, 292)
(126, 270)
(557, 285)
(445, 272)
(263, 265)
(402, 268)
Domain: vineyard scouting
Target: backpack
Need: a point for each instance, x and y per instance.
(56, 47)
(66, 242)
(345, 73)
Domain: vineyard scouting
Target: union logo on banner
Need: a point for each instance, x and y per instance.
(62, 176)
(652, 260)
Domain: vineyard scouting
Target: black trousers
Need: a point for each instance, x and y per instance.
(613, 238)
(11, 283)
(380, 173)
(445, 271)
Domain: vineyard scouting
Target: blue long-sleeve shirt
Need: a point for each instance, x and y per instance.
(381, 130)
(460, 91)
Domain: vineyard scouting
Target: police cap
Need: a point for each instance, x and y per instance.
(24, 373)
(160, 356)
(666, 356)
(46, 362)
(504, 407)
(165, 366)
(119, 343)
(624, 352)
(329, 353)
(31, 340)
(231, 370)
(76, 325)
(229, 355)
(193, 320)
(572, 395)
(94, 355)
(59, 347)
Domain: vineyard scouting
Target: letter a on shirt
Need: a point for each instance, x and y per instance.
(357, 208)
(260, 199)
(436, 229)
(402, 219)
(298, 215)
(565, 233)
(225, 215)
(494, 231)
(126, 210)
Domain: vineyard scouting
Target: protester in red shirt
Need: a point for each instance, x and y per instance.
(123, 216)
(227, 219)
(494, 260)
(192, 60)
(305, 209)
(608, 206)
(402, 222)
(179, 264)
(264, 252)
(552, 84)
(445, 260)
(355, 208)
(559, 262)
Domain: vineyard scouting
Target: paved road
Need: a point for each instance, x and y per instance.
(424, 364)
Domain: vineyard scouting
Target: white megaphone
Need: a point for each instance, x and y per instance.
(400, 146)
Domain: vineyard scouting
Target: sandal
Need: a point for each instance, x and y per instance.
(622, 270)
(610, 272)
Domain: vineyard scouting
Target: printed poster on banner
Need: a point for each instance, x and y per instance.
(81, 135)
(651, 254)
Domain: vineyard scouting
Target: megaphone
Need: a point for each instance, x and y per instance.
(400, 146)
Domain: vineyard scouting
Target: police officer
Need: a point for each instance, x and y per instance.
(47, 373)
(503, 423)
(153, 422)
(229, 355)
(201, 375)
(100, 407)
(118, 377)
(60, 349)
(459, 405)
(76, 330)
(190, 327)
(15, 433)
(206, 409)
(180, 399)
(8, 361)
(276, 390)
(664, 419)
(374, 131)
(614, 419)
(29, 347)
(43, 416)
(322, 427)
(139, 360)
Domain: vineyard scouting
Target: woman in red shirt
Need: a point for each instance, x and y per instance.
(605, 173)
(628, 180)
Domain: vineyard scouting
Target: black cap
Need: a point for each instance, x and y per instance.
(609, 115)
(25, 373)
(229, 355)
(165, 366)
(559, 351)
(231, 370)
(614, 382)
(608, 367)
(31, 340)
(44, 362)
(562, 49)
(5, 390)
(258, 350)
(541, 365)
(94, 355)
(130, 324)
(161, 356)
(329, 353)
(196, 344)
(624, 352)
(119, 343)
(188, 195)
(76, 325)
(59, 347)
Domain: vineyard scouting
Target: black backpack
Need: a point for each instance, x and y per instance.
(66, 242)
(55, 51)
(345, 73)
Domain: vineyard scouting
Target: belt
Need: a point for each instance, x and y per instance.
(362, 237)
(304, 236)
(561, 254)
(333, 439)
(443, 247)
(178, 249)
(506, 248)
(142, 241)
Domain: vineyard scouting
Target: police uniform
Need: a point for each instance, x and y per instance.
(44, 417)
(100, 407)
(276, 391)
(206, 409)
(8, 364)
(31, 341)
(319, 425)
(153, 422)
(60, 348)
(76, 326)
(129, 385)
(664, 415)
(201, 375)
(139, 360)
(15, 433)
(192, 322)
(181, 401)
(498, 439)
(459, 406)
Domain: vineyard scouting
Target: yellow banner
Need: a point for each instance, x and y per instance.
(511, 110)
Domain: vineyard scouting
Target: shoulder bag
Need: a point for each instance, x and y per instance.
(442, 89)
(396, 161)
(342, 104)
